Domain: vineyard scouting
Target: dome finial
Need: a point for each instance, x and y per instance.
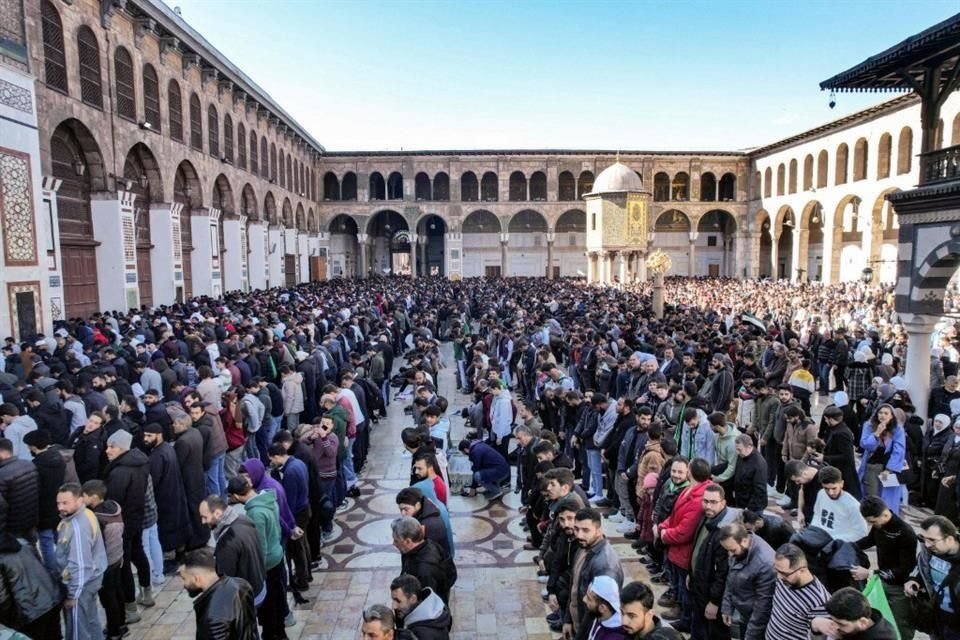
(618, 154)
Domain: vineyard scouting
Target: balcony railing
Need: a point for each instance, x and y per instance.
(942, 165)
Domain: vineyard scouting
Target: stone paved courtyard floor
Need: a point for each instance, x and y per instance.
(497, 595)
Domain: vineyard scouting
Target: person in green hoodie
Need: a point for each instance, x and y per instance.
(262, 509)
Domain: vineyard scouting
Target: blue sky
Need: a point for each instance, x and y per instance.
(529, 74)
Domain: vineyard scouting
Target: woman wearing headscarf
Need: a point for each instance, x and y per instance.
(934, 442)
(947, 468)
(884, 444)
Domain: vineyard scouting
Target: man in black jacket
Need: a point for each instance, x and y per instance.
(419, 610)
(412, 502)
(173, 518)
(896, 544)
(223, 605)
(839, 449)
(20, 488)
(30, 601)
(51, 469)
(127, 476)
(750, 477)
(423, 558)
(708, 566)
(237, 551)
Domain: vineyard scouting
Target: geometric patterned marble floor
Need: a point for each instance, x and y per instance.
(497, 595)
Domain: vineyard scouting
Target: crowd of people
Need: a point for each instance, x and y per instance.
(220, 439)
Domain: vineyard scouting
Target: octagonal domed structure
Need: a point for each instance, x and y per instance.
(618, 177)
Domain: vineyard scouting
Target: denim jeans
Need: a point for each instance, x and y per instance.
(151, 546)
(825, 378)
(265, 437)
(216, 481)
(595, 467)
(684, 598)
(349, 475)
(385, 392)
(489, 481)
(48, 552)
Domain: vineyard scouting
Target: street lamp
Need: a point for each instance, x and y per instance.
(866, 276)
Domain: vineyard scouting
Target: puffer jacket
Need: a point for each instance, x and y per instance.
(237, 548)
(750, 585)
(20, 486)
(430, 619)
(26, 589)
(678, 529)
(110, 519)
(51, 472)
(225, 610)
(293, 394)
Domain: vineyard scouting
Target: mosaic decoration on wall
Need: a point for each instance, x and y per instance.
(16, 97)
(16, 209)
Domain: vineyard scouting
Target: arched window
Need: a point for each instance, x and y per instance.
(538, 186)
(489, 187)
(469, 187)
(88, 53)
(756, 186)
(904, 151)
(518, 186)
(126, 94)
(348, 187)
(151, 97)
(241, 146)
(860, 160)
(273, 162)
(584, 183)
(378, 187)
(566, 187)
(289, 172)
(196, 123)
(840, 175)
(175, 110)
(54, 59)
(395, 186)
(331, 186)
(808, 172)
(708, 187)
(264, 158)
(781, 179)
(254, 156)
(792, 182)
(768, 182)
(282, 177)
(297, 186)
(661, 187)
(883, 156)
(680, 187)
(213, 131)
(823, 162)
(422, 187)
(228, 137)
(441, 187)
(728, 187)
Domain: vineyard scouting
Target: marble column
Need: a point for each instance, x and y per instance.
(551, 237)
(693, 253)
(642, 266)
(363, 240)
(774, 262)
(917, 374)
(504, 254)
(424, 267)
(622, 268)
(801, 239)
(591, 268)
(413, 254)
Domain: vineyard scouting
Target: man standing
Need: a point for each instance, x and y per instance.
(596, 557)
(173, 520)
(423, 558)
(896, 545)
(798, 597)
(236, 546)
(708, 566)
(51, 471)
(750, 478)
(188, 445)
(419, 610)
(639, 619)
(292, 474)
(82, 560)
(938, 570)
(262, 509)
(603, 603)
(20, 488)
(725, 450)
(751, 581)
(434, 517)
(223, 604)
(14, 427)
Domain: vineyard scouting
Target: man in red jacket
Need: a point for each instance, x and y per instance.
(677, 532)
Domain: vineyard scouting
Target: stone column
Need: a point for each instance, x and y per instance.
(363, 240)
(603, 257)
(424, 267)
(774, 264)
(917, 372)
(504, 254)
(693, 253)
(801, 239)
(551, 237)
(622, 268)
(591, 269)
(642, 266)
(413, 254)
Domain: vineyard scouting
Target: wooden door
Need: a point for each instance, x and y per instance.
(318, 268)
(491, 272)
(290, 269)
(713, 270)
(81, 298)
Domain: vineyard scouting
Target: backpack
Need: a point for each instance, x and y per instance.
(373, 395)
(276, 399)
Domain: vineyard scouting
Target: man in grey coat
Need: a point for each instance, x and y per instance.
(751, 581)
(596, 557)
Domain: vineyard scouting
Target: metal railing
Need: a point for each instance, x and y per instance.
(942, 165)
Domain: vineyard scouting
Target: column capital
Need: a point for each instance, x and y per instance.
(413, 237)
(363, 238)
(693, 236)
(504, 238)
(918, 323)
(551, 237)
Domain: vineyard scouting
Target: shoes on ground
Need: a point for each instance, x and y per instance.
(673, 613)
(601, 502)
(529, 546)
(667, 601)
(543, 579)
(627, 527)
(354, 491)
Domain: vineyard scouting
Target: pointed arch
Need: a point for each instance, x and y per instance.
(248, 203)
(222, 195)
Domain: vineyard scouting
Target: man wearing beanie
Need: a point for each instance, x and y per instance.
(51, 472)
(127, 475)
(603, 602)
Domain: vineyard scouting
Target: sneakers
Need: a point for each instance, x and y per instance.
(785, 501)
(626, 526)
(132, 615)
(543, 579)
(146, 597)
(289, 621)
(615, 517)
(772, 492)
(544, 594)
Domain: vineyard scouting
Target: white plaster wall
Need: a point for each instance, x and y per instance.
(202, 256)
(256, 260)
(161, 255)
(275, 259)
(112, 282)
(231, 257)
